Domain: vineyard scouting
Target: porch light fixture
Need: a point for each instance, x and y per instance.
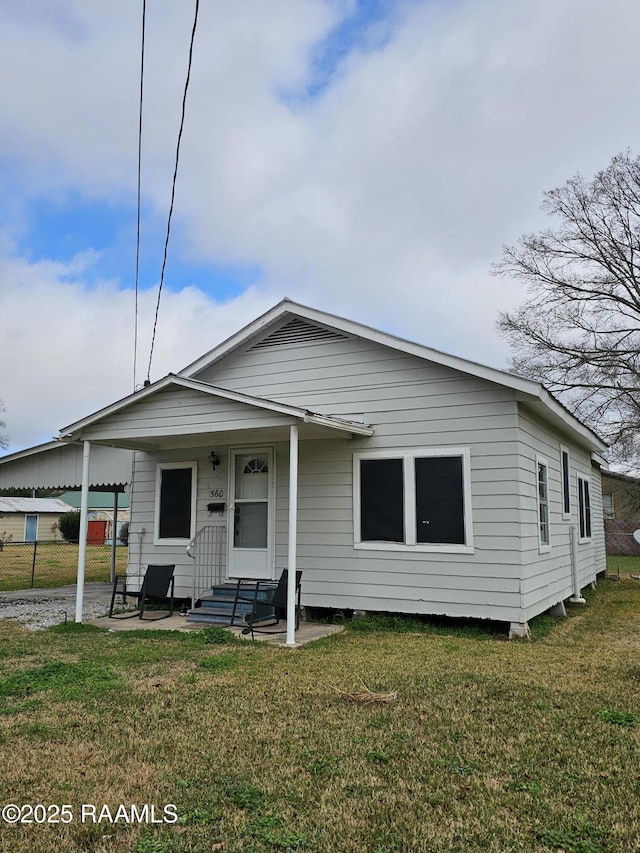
(214, 459)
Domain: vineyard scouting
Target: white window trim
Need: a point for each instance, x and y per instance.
(566, 516)
(411, 545)
(164, 466)
(583, 539)
(612, 514)
(543, 547)
(37, 518)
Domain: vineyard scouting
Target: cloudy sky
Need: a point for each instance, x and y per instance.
(365, 157)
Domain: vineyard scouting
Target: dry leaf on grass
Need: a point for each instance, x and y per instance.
(367, 696)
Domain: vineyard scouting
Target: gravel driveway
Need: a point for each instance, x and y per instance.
(40, 608)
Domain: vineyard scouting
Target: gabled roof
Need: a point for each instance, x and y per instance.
(73, 431)
(532, 393)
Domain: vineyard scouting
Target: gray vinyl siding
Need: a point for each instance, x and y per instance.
(142, 550)
(410, 403)
(175, 411)
(547, 575)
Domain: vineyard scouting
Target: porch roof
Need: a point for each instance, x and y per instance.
(178, 412)
(57, 465)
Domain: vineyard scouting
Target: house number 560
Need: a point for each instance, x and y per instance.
(217, 493)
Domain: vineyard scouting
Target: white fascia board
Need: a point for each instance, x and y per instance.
(68, 432)
(75, 429)
(239, 338)
(334, 423)
(239, 397)
(519, 384)
(355, 329)
(31, 451)
(166, 382)
(271, 405)
(550, 410)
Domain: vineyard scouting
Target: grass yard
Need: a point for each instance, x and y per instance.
(488, 745)
(56, 564)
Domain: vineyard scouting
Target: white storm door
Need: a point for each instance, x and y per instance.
(251, 513)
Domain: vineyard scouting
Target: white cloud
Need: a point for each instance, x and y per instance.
(385, 198)
(70, 350)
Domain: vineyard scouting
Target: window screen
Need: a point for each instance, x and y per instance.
(543, 503)
(584, 507)
(439, 500)
(175, 503)
(381, 500)
(566, 495)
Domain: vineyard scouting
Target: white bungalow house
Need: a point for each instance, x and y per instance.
(397, 478)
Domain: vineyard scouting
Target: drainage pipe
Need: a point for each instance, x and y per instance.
(576, 598)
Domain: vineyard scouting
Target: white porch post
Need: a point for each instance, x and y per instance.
(84, 514)
(114, 538)
(293, 520)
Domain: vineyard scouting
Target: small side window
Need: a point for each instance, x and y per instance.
(584, 509)
(566, 483)
(543, 502)
(608, 508)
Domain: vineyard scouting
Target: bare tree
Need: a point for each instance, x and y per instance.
(578, 331)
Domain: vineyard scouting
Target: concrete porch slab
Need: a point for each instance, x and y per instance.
(306, 633)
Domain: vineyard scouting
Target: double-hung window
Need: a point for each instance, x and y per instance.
(566, 487)
(175, 502)
(416, 499)
(584, 509)
(544, 537)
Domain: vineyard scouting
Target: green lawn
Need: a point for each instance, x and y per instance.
(56, 564)
(488, 745)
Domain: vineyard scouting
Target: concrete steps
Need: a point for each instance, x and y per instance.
(217, 608)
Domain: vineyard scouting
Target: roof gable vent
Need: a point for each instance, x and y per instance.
(298, 332)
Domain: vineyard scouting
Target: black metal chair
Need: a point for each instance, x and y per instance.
(269, 610)
(157, 585)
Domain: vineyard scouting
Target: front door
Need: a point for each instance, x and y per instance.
(251, 513)
(30, 528)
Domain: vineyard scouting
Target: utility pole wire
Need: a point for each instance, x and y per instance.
(135, 332)
(173, 189)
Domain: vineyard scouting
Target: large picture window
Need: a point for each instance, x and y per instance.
(418, 499)
(175, 501)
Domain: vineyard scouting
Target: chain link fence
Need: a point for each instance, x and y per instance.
(38, 565)
(619, 539)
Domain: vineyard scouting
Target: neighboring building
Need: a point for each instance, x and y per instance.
(621, 510)
(101, 511)
(31, 519)
(417, 482)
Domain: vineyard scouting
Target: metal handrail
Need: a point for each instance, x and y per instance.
(208, 549)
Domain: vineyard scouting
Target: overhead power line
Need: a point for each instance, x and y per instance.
(135, 332)
(173, 187)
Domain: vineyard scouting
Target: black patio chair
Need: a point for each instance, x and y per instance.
(157, 586)
(272, 608)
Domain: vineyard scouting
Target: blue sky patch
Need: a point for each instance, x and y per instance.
(369, 26)
(58, 231)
